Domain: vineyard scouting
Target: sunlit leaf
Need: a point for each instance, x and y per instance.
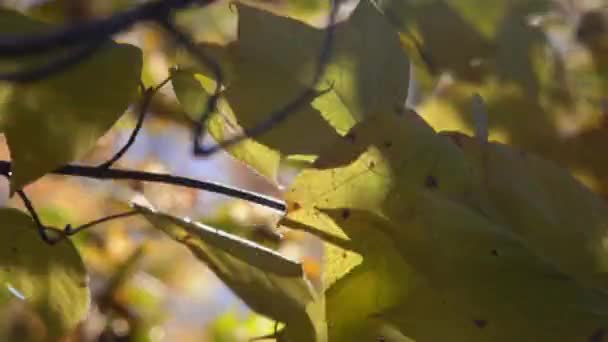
(51, 280)
(275, 58)
(428, 194)
(193, 93)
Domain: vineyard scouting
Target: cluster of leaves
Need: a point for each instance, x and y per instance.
(430, 234)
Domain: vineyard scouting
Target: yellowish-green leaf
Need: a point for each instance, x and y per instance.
(433, 201)
(350, 315)
(193, 93)
(51, 122)
(51, 280)
(557, 216)
(269, 283)
(275, 58)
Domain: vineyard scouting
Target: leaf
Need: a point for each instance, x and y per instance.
(54, 121)
(269, 283)
(350, 315)
(193, 93)
(433, 202)
(52, 280)
(556, 216)
(275, 58)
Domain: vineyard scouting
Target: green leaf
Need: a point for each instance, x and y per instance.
(351, 316)
(51, 280)
(274, 60)
(51, 122)
(269, 283)
(431, 197)
(558, 217)
(193, 93)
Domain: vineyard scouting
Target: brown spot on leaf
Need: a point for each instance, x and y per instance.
(598, 335)
(388, 144)
(345, 214)
(372, 164)
(494, 252)
(431, 182)
(344, 255)
(293, 206)
(14, 250)
(480, 323)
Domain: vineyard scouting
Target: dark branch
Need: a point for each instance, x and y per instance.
(96, 30)
(278, 116)
(143, 109)
(55, 66)
(117, 174)
(187, 42)
(42, 230)
(72, 231)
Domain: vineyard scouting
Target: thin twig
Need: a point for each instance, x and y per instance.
(71, 231)
(184, 39)
(95, 30)
(55, 66)
(278, 116)
(143, 109)
(42, 229)
(122, 174)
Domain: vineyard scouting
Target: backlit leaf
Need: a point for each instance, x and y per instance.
(274, 60)
(490, 272)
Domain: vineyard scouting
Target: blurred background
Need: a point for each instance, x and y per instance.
(146, 287)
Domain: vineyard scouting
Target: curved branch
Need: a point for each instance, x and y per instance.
(116, 174)
(95, 30)
(55, 66)
(281, 114)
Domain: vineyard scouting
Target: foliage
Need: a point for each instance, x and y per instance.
(480, 215)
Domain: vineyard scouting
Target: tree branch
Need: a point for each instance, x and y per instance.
(96, 172)
(50, 68)
(95, 30)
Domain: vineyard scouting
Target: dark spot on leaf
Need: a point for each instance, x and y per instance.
(494, 252)
(388, 144)
(598, 335)
(480, 323)
(345, 214)
(372, 164)
(295, 206)
(83, 284)
(431, 182)
(381, 338)
(14, 250)
(350, 136)
(344, 255)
